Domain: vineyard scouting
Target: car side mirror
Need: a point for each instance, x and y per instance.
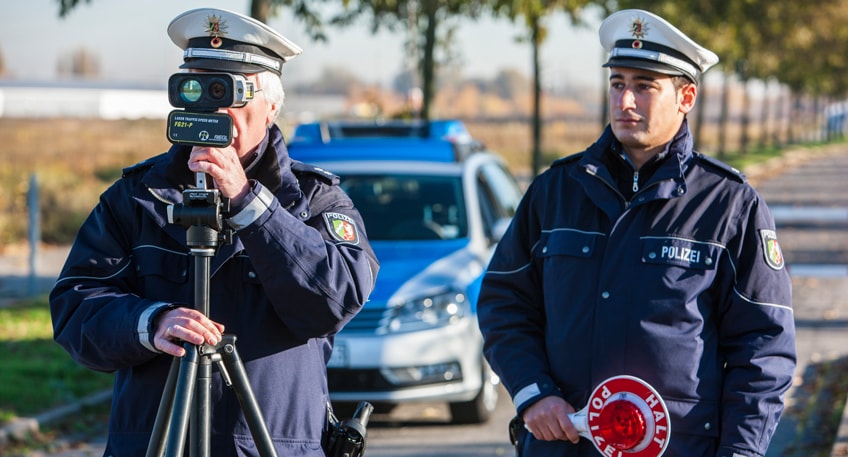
(499, 228)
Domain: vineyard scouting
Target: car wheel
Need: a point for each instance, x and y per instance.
(480, 408)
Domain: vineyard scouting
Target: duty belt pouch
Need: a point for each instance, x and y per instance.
(331, 429)
(346, 438)
(516, 425)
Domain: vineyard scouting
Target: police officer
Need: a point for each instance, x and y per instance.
(298, 269)
(640, 256)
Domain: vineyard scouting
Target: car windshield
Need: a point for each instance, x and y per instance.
(408, 207)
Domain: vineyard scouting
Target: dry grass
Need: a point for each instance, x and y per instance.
(77, 159)
(74, 160)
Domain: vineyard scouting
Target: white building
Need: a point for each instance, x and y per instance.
(84, 99)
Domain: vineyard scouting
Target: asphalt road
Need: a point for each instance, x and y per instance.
(807, 194)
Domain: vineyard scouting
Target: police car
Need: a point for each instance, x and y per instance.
(435, 202)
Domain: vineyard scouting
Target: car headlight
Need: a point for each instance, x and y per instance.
(427, 312)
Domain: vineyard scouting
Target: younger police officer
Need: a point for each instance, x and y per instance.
(640, 256)
(297, 270)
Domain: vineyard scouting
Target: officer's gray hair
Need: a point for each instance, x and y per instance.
(272, 90)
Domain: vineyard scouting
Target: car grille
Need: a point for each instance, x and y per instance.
(370, 380)
(345, 380)
(368, 320)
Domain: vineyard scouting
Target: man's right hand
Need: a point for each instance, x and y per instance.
(185, 324)
(547, 420)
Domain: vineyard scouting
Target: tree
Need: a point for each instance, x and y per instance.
(79, 64)
(533, 12)
(509, 84)
(422, 20)
(334, 81)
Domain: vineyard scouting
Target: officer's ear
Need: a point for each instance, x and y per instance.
(686, 95)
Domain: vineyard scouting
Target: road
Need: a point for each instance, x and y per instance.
(808, 197)
(424, 430)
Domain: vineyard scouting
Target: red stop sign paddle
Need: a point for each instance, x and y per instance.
(625, 417)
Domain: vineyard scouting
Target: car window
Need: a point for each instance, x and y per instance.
(407, 206)
(503, 188)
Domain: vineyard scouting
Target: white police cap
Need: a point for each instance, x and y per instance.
(640, 39)
(221, 40)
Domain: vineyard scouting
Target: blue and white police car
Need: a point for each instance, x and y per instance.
(435, 203)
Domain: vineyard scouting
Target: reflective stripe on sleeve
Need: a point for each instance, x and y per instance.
(253, 210)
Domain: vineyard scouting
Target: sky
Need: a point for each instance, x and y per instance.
(130, 40)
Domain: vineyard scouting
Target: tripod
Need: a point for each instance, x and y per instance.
(187, 392)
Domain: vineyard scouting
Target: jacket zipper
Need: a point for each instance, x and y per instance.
(635, 182)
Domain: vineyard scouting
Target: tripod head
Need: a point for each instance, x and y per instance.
(201, 214)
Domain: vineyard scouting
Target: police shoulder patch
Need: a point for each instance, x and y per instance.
(771, 249)
(341, 227)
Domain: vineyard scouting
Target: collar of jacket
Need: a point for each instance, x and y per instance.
(669, 174)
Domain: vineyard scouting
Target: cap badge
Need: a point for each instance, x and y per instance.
(216, 27)
(639, 28)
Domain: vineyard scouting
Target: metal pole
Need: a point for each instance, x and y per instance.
(33, 231)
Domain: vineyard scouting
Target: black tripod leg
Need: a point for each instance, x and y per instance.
(241, 386)
(182, 402)
(156, 446)
(201, 419)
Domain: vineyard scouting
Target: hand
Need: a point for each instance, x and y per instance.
(184, 324)
(547, 420)
(225, 168)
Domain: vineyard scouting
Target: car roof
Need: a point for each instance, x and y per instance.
(435, 141)
(395, 167)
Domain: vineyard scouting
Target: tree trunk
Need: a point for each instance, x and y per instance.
(260, 10)
(724, 116)
(605, 102)
(537, 97)
(745, 121)
(765, 111)
(791, 131)
(700, 113)
(428, 62)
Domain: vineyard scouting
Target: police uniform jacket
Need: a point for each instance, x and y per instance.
(675, 278)
(298, 269)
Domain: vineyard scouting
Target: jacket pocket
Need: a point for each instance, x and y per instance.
(568, 242)
(162, 273)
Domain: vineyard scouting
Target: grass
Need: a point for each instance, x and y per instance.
(37, 373)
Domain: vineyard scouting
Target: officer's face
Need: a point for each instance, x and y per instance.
(646, 109)
(251, 120)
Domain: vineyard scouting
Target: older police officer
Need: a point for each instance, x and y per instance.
(640, 256)
(298, 269)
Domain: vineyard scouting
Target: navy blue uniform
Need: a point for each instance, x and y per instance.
(674, 276)
(298, 269)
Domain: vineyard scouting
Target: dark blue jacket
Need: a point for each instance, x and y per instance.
(285, 285)
(681, 284)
